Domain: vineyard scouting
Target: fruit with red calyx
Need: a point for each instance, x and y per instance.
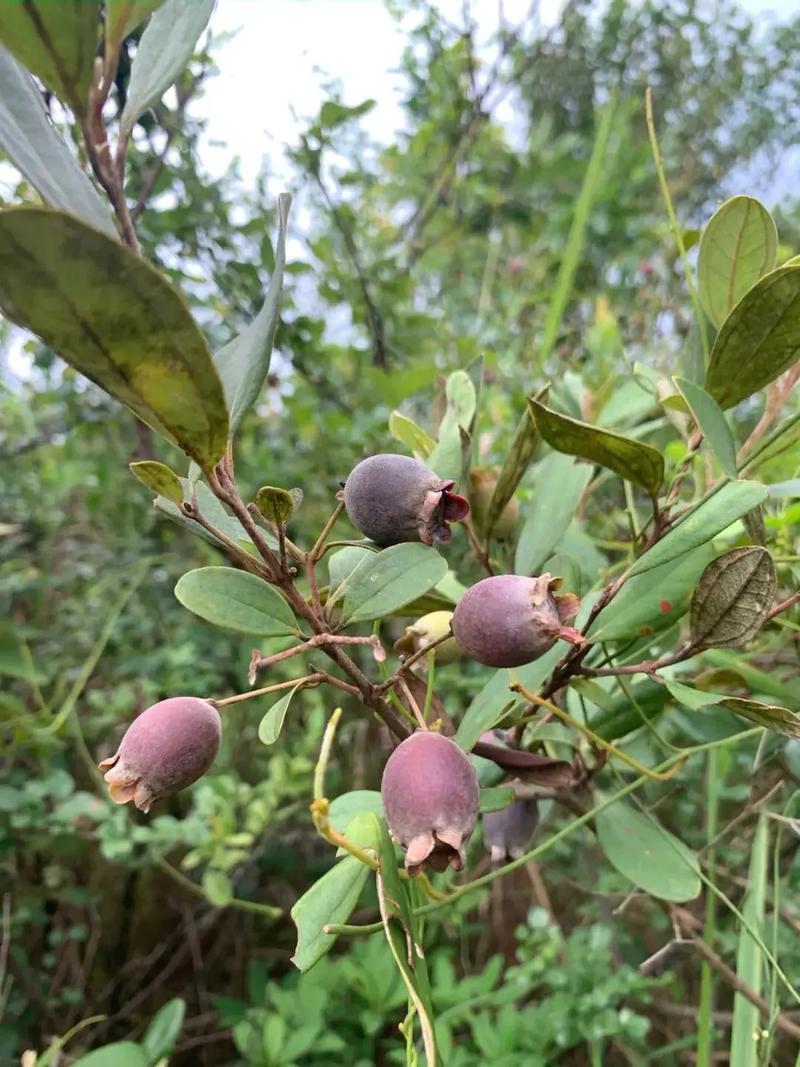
(508, 619)
(392, 499)
(166, 748)
(430, 799)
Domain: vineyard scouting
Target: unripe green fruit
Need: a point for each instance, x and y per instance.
(430, 628)
(482, 484)
(508, 620)
(392, 499)
(169, 746)
(430, 800)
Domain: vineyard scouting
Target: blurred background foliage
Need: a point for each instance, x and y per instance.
(406, 261)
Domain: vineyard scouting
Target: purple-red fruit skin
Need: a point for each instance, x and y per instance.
(169, 746)
(430, 799)
(507, 833)
(393, 499)
(508, 620)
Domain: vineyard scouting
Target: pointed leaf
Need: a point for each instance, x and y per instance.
(411, 435)
(164, 50)
(771, 716)
(639, 847)
(34, 147)
(243, 363)
(446, 457)
(704, 522)
(114, 318)
(122, 16)
(236, 600)
(331, 900)
(56, 42)
(158, 477)
(271, 725)
(737, 248)
(560, 483)
(711, 422)
(164, 1030)
(519, 455)
(733, 598)
(632, 460)
(388, 580)
(758, 341)
(276, 505)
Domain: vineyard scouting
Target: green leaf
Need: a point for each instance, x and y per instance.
(164, 1030)
(733, 598)
(122, 16)
(632, 460)
(758, 341)
(737, 248)
(31, 143)
(113, 317)
(217, 887)
(119, 1054)
(446, 457)
(495, 699)
(649, 856)
(388, 580)
(560, 483)
(411, 435)
(746, 1043)
(770, 716)
(653, 601)
(713, 516)
(519, 455)
(495, 799)
(56, 42)
(346, 806)
(243, 363)
(164, 50)
(158, 477)
(276, 505)
(711, 422)
(271, 725)
(331, 900)
(236, 600)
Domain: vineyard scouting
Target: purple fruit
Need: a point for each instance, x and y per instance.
(507, 833)
(169, 746)
(508, 620)
(394, 498)
(430, 799)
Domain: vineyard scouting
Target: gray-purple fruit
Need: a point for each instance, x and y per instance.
(508, 619)
(430, 799)
(166, 748)
(392, 499)
(507, 833)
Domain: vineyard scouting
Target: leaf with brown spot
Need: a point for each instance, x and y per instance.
(733, 598)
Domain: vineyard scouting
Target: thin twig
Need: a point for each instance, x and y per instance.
(408, 663)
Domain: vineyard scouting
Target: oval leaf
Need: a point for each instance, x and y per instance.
(237, 601)
(164, 50)
(738, 247)
(114, 318)
(164, 1030)
(217, 887)
(632, 460)
(243, 363)
(711, 422)
(345, 807)
(462, 398)
(56, 42)
(31, 143)
(733, 598)
(646, 854)
(704, 522)
(758, 341)
(388, 580)
(560, 483)
(276, 505)
(119, 1054)
(330, 900)
(158, 477)
(271, 725)
(411, 435)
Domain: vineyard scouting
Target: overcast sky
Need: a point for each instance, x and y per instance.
(267, 71)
